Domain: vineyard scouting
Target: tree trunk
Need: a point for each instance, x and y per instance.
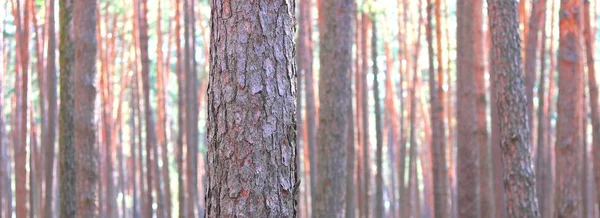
(51, 121)
(412, 200)
(21, 84)
(469, 36)
(191, 108)
(161, 129)
(305, 67)
(350, 206)
(251, 111)
(511, 103)
(538, 10)
(66, 128)
(181, 113)
(379, 208)
(543, 167)
(593, 90)
(391, 120)
(403, 69)
(569, 135)
(335, 98)
(84, 42)
(365, 115)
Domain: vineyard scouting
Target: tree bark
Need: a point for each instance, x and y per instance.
(511, 103)
(469, 36)
(251, 111)
(84, 43)
(181, 99)
(191, 108)
(569, 135)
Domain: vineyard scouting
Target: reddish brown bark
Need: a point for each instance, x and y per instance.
(569, 135)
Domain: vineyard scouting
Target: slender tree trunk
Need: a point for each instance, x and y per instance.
(538, 10)
(393, 128)
(511, 103)
(84, 24)
(412, 208)
(261, 134)
(67, 157)
(51, 122)
(20, 152)
(359, 127)
(469, 36)
(191, 108)
(161, 81)
(365, 115)
(549, 187)
(403, 54)
(379, 208)
(305, 67)
(593, 90)
(181, 113)
(350, 207)
(569, 136)
(543, 167)
(438, 142)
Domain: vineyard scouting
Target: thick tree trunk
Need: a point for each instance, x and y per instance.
(51, 121)
(569, 135)
(84, 24)
(511, 103)
(251, 111)
(593, 90)
(469, 36)
(335, 97)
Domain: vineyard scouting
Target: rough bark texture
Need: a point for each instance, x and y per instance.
(511, 103)
(569, 135)
(538, 9)
(68, 203)
(438, 140)
(84, 25)
(593, 91)
(335, 97)
(51, 121)
(379, 208)
(469, 33)
(251, 110)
